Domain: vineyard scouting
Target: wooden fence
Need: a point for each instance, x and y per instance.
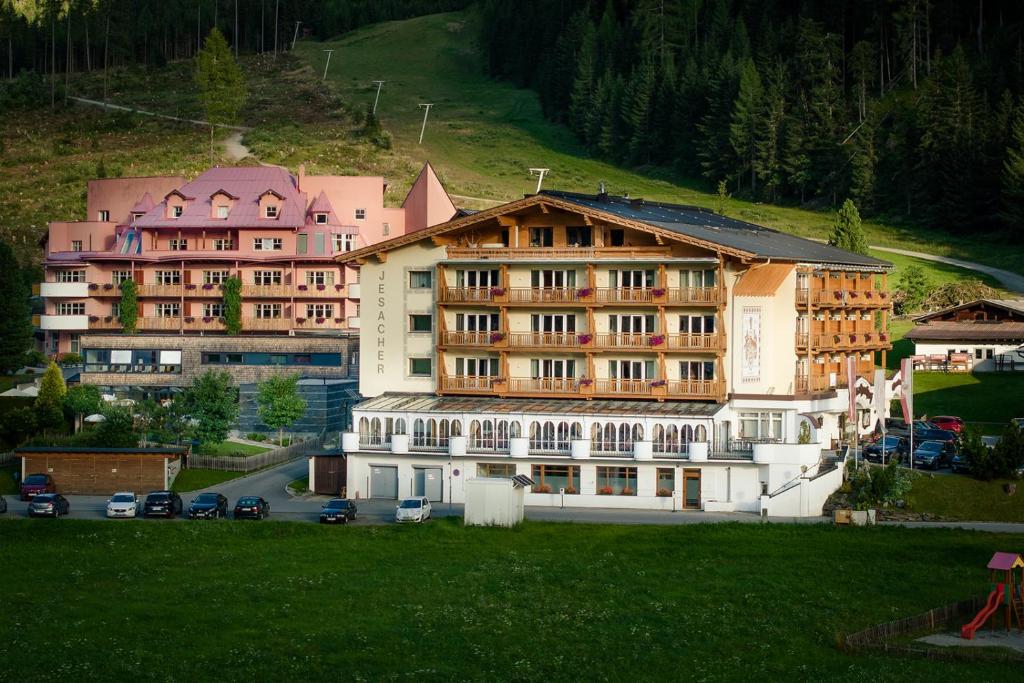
(254, 462)
(7, 457)
(879, 638)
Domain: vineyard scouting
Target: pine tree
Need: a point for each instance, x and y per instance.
(848, 231)
(747, 121)
(1013, 176)
(582, 97)
(770, 140)
(221, 84)
(16, 331)
(637, 112)
(49, 403)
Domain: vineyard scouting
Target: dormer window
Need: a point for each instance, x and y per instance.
(271, 211)
(222, 211)
(136, 216)
(320, 218)
(176, 211)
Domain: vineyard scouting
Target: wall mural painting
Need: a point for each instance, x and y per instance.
(751, 351)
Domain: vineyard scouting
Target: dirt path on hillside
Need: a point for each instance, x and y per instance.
(233, 147)
(1010, 281)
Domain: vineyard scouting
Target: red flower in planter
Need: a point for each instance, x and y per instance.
(605, 491)
(108, 319)
(303, 288)
(108, 286)
(496, 337)
(497, 291)
(93, 286)
(869, 294)
(208, 286)
(207, 318)
(584, 292)
(94, 318)
(338, 320)
(883, 336)
(658, 383)
(853, 337)
(837, 294)
(321, 321)
(189, 319)
(337, 288)
(190, 287)
(883, 294)
(658, 291)
(867, 337)
(300, 320)
(586, 382)
(657, 340)
(585, 338)
(321, 288)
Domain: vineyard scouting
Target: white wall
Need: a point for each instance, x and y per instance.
(982, 365)
(778, 339)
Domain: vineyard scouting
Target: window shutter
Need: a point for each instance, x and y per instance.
(301, 242)
(318, 243)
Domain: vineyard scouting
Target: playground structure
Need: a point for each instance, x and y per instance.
(1006, 591)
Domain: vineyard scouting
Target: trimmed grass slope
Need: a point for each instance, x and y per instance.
(546, 602)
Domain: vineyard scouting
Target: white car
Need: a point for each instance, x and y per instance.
(413, 510)
(122, 504)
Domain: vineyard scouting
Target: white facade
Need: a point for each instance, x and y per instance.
(983, 354)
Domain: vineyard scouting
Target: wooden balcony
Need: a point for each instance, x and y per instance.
(319, 324)
(160, 323)
(266, 324)
(208, 291)
(318, 291)
(548, 340)
(845, 341)
(471, 383)
(543, 385)
(707, 389)
(630, 387)
(557, 253)
(204, 324)
(547, 295)
(457, 338)
(694, 296)
(629, 342)
(629, 295)
(161, 291)
(712, 342)
(467, 295)
(107, 322)
(106, 290)
(843, 298)
(573, 387)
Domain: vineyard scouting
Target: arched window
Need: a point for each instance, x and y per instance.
(474, 434)
(400, 426)
(700, 434)
(563, 436)
(608, 443)
(456, 428)
(672, 439)
(658, 438)
(625, 438)
(576, 432)
(638, 432)
(419, 437)
(515, 430)
(375, 438)
(501, 435)
(443, 430)
(686, 434)
(548, 436)
(364, 429)
(535, 433)
(595, 437)
(487, 435)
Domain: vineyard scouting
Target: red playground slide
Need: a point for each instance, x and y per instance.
(991, 605)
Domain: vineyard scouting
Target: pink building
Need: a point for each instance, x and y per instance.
(179, 240)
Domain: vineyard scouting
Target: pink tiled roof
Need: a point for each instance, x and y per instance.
(1004, 561)
(248, 185)
(321, 205)
(144, 205)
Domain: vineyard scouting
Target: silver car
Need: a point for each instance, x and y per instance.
(413, 510)
(123, 504)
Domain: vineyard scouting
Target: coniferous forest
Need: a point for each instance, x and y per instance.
(912, 108)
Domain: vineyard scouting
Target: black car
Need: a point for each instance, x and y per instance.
(49, 505)
(162, 504)
(251, 507)
(338, 511)
(944, 435)
(208, 506)
(895, 446)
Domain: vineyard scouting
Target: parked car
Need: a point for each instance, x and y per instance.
(922, 435)
(252, 507)
(959, 464)
(933, 454)
(35, 484)
(894, 446)
(3, 505)
(163, 504)
(413, 510)
(48, 505)
(208, 506)
(338, 511)
(123, 504)
(898, 427)
(948, 422)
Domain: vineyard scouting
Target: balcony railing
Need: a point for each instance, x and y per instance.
(844, 298)
(695, 342)
(266, 324)
(458, 338)
(545, 340)
(550, 295)
(203, 290)
(375, 442)
(694, 295)
(204, 324)
(160, 323)
(547, 253)
(640, 387)
(711, 389)
(101, 323)
(319, 324)
(628, 295)
(267, 291)
(628, 341)
(166, 291)
(543, 385)
(467, 383)
(465, 295)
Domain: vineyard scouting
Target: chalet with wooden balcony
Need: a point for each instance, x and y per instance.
(569, 305)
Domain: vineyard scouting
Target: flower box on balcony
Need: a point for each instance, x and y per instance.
(605, 491)
(586, 382)
(626, 492)
(321, 288)
(657, 340)
(658, 383)
(883, 295)
(108, 319)
(337, 288)
(338, 320)
(835, 338)
(658, 292)
(302, 288)
(883, 336)
(585, 338)
(94, 318)
(584, 292)
(321, 321)
(496, 337)
(837, 295)
(853, 338)
(207, 318)
(869, 295)
(93, 286)
(497, 291)
(109, 286)
(208, 286)
(190, 287)
(867, 337)
(189, 319)
(853, 294)
(300, 320)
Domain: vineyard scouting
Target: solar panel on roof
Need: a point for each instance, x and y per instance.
(522, 481)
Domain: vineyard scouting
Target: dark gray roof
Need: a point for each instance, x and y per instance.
(428, 403)
(704, 224)
(71, 450)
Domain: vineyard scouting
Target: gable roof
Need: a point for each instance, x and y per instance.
(427, 203)
(1010, 305)
(223, 192)
(763, 280)
(952, 331)
(689, 225)
(144, 205)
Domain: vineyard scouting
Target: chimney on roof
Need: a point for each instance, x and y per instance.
(602, 193)
(302, 177)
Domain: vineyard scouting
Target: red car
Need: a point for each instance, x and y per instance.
(35, 484)
(948, 422)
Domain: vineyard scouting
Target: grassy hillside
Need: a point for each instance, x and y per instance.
(546, 602)
(483, 136)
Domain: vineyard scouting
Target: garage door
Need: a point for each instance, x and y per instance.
(427, 482)
(383, 482)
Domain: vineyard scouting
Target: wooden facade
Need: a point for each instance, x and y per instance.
(102, 471)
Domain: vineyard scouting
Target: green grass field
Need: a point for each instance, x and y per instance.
(961, 497)
(233, 449)
(193, 479)
(547, 602)
(483, 136)
(984, 397)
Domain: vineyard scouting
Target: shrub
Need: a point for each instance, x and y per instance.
(605, 491)
(664, 493)
(36, 359)
(871, 486)
(71, 359)
(542, 488)
(626, 492)
(255, 436)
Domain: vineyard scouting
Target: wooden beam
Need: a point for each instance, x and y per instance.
(507, 221)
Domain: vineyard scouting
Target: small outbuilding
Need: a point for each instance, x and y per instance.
(494, 501)
(327, 473)
(101, 471)
(984, 335)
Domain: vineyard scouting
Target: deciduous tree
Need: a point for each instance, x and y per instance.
(279, 403)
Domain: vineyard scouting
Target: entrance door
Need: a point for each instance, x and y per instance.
(427, 482)
(691, 489)
(384, 482)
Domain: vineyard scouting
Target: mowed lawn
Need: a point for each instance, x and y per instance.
(984, 397)
(547, 602)
(961, 497)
